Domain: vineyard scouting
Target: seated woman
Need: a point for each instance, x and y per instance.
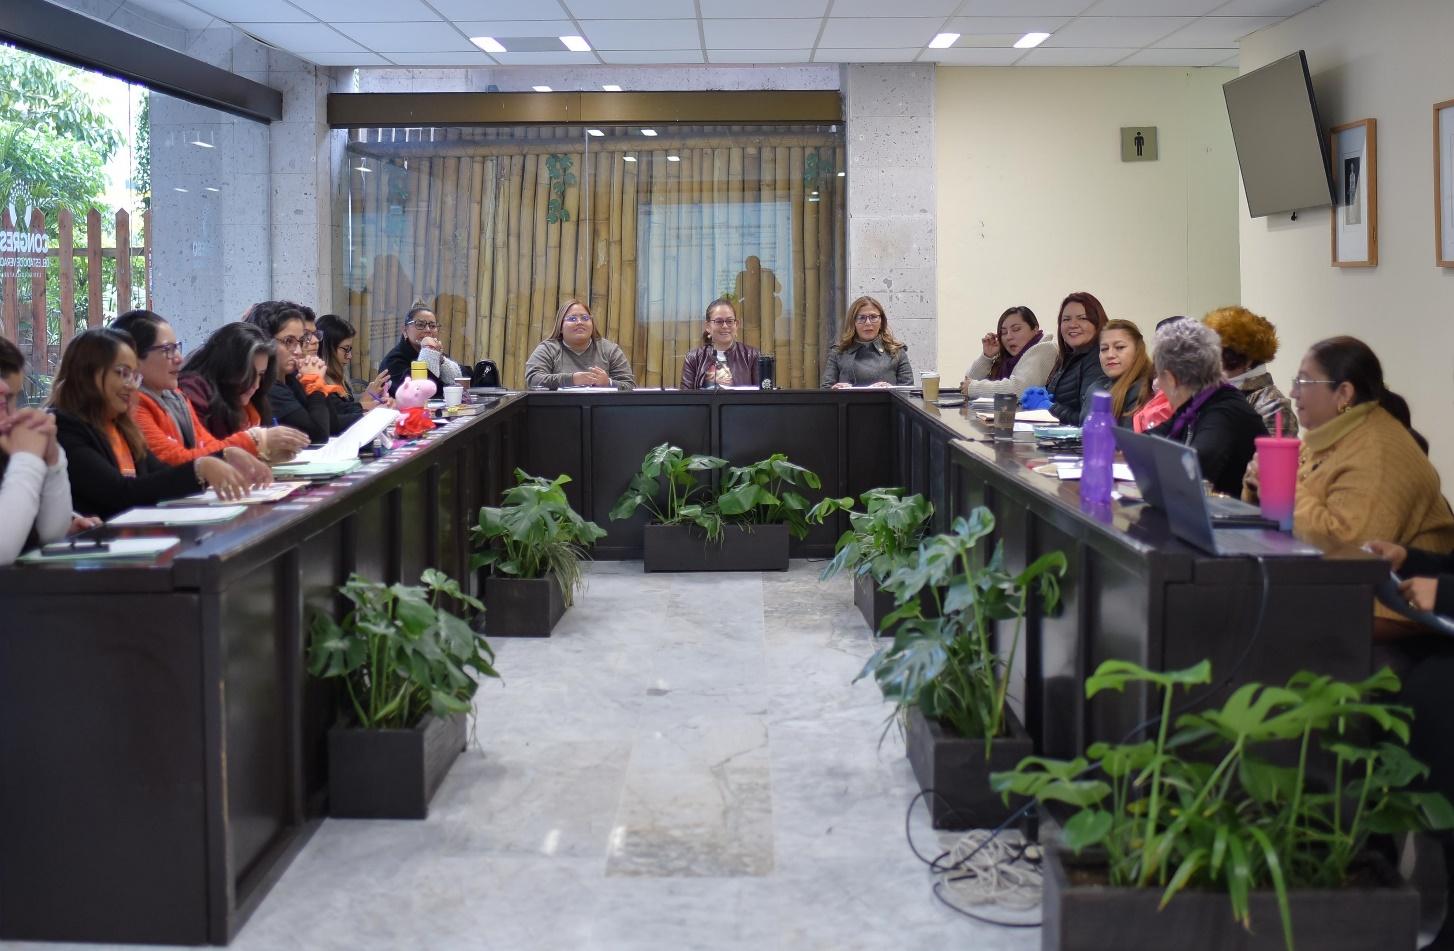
(1016, 356)
(168, 423)
(110, 467)
(577, 355)
(1249, 343)
(867, 353)
(335, 343)
(35, 492)
(296, 395)
(1207, 413)
(226, 382)
(1077, 371)
(1361, 472)
(1127, 366)
(721, 360)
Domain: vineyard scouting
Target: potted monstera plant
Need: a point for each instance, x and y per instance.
(1243, 826)
(528, 554)
(947, 675)
(880, 538)
(740, 523)
(409, 669)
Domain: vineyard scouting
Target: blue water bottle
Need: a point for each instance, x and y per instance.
(1099, 444)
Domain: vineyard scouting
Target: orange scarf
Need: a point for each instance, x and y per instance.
(122, 451)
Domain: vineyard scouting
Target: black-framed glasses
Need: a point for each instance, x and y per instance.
(311, 336)
(170, 349)
(347, 350)
(723, 321)
(426, 325)
(867, 318)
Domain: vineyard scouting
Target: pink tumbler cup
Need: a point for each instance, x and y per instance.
(1277, 478)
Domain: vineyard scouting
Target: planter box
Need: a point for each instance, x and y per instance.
(875, 604)
(685, 548)
(391, 774)
(956, 769)
(521, 607)
(1084, 917)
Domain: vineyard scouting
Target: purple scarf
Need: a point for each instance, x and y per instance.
(1005, 365)
(1187, 415)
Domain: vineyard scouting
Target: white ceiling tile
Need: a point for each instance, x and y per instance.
(367, 11)
(762, 9)
(1150, 8)
(407, 37)
(971, 56)
(171, 13)
(1040, 56)
(898, 8)
(1024, 8)
(499, 28)
(344, 59)
(563, 58)
(303, 36)
(499, 9)
(477, 58)
(1174, 57)
(642, 34)
(1266, 8)
(968, 26)
(867, 55)
(866, 33)
(751, 34)
(254, 11)
(760, 56)
(635, 57)
(1216, 32)
(1233, 61)
(630, 9)
(1132, 32)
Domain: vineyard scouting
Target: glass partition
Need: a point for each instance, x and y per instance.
(492, 228)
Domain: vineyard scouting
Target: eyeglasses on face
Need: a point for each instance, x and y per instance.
(425, 325)
(290, 342)
(576, 319)
(867, 318)
(723, 321)
(169, 349)
(347, 350)
(1299, 382)
(311, 336)
(129, 376)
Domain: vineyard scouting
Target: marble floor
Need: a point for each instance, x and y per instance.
(685, 764)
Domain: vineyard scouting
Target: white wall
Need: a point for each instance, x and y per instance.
(1388, 61)
(1034, 200)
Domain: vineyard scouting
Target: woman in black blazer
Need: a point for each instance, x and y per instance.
(110, 467)
(297, 396)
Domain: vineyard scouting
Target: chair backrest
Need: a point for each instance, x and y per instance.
(485, 373)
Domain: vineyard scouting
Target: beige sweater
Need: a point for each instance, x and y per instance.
(1032, 369)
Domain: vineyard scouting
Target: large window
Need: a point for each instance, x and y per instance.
(493, 227)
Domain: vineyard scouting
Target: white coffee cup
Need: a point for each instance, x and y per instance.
(931, 385)
(453, 395)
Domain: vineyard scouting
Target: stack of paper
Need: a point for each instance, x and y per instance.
(202, 515)
(115, 548)
(271, 493)
(347, 444)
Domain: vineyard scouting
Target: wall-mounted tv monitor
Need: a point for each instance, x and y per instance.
(1280, 143)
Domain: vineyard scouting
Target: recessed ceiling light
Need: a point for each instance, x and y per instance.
(541, 88)
(178, 188)
(673, 158)
(943, 41)
(648, 132)
(576, 44)
(842, 174)
(595, 132)
(202, 145)
(211, 189)
(488, 43)
(1031, 40)
(628, 158)
(611, 87)
(362, 168)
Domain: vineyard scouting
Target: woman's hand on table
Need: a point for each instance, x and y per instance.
(1390, 552)
(254, 470)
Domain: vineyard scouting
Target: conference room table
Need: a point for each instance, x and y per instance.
(162, 749)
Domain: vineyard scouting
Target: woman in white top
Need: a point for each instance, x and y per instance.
(34, 491)
(1016, 357)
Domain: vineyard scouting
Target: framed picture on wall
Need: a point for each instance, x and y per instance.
(1355, 174)
(1444, 183)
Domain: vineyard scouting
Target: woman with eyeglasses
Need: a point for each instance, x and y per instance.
(226, 383)
(35, 491)
(1016, 357)
(297, 394)
(867, 353)
(420, 341)
(576, 354)
(168, 423)
(1077, 372)
(335, 343)
(721, 360)
(110, 467)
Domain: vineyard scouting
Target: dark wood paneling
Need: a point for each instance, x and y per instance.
(807, 435)
(620, 437)
(555, 445)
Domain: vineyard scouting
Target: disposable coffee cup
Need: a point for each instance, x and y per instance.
(1006, 405)
(1277, 460)
(931, 385)
(419, 370)
(453, 395)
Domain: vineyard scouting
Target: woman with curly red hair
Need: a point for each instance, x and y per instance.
(1249, 342)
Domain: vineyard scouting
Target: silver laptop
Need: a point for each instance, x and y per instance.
(1141, 452)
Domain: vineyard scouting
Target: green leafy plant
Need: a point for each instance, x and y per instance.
(1208, 804)
(400, 652)
(947, 665)
(763, 494)
(535, 533)
(880, 538)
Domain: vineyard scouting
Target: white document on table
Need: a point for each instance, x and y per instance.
(201, 515)
(256, 496)
(1070, 471)
(347, 444)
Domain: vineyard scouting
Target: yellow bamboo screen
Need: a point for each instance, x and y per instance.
(493, 228)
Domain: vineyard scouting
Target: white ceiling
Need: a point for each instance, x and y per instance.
(437, 32)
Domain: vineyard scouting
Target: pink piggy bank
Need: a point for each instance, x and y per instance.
(413, 392)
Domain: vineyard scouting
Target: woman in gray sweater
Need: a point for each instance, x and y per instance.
(576, 354)
(1016, 357)
(866, 354)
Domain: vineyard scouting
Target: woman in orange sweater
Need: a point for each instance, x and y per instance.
(167, 421)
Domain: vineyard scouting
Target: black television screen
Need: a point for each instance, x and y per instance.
(1280, 143)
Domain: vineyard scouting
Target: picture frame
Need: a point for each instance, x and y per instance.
(1444, 183)
(1354, 150)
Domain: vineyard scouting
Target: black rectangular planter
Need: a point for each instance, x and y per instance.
(875, 604)
(391, 774)
(1087, 917)
(685, 548)
(521, 607)
(956, 769)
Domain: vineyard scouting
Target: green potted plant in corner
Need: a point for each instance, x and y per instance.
(528, 556)
(409, 670)
(944, 674)
(879, 539)
(1239, 827)
(742, 526)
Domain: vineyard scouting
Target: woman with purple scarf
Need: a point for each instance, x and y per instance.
(1016, 356)
(1208, 413)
